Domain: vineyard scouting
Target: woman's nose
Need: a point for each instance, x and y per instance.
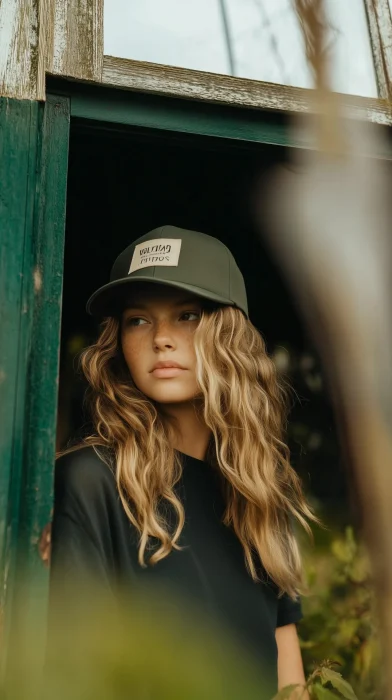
(163, 337)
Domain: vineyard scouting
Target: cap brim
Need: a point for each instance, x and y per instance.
(106, 301)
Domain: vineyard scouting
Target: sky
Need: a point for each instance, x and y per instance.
(265, 37)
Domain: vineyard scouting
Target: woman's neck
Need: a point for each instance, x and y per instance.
(190, 434)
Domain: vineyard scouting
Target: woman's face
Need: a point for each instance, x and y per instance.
(157, 330)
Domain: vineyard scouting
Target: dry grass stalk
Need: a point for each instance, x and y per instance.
(314, 25)
(331, 227)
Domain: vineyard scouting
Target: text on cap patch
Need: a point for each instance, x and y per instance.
(159, 251)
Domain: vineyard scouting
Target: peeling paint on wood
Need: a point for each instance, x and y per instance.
(37, 280)
(76, 42)
(239, 92)
(22, 48)
(380, 26)
(64, 37)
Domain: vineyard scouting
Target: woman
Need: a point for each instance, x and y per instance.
(186, 480)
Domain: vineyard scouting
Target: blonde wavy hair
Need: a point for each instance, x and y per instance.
(245, 406)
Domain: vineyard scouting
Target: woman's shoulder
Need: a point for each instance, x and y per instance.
(84, 469)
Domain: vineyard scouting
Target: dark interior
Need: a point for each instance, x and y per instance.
(123, 183)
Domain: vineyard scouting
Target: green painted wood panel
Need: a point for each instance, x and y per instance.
(18, 152)
(28, 446)
(181, 116)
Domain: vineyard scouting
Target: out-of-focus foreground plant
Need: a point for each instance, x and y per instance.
(339, 615)
(151, 651)
(147, 648)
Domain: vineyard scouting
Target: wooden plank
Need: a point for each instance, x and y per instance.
(375, 39)
(45, 267)
(75, 39)
(46, 271)
(226, 90)
(33, 439)
(22, 48)
(189, 117)
(180, 116)
(380, 26)
(383, 13)
(18, 128)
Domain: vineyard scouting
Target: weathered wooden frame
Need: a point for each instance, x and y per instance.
(65, 37)
(23, 48)
(75, 39)
(380, 29)
(191, 84)
(152, 78)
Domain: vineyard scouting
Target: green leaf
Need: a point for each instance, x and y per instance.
(347, 630)
(308, 644)
(318, 692)
(327, 675)
(360, 570)
(341, 551)
(285, 693)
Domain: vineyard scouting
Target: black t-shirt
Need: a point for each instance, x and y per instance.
(92, 533)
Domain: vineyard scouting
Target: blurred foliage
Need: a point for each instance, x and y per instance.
(153, 650)
(146, 648)
(339, 614)
(340, 621)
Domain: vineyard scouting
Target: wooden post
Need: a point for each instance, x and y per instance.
(32, 220)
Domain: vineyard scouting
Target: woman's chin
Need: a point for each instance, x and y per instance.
(170, 391)
(172, 397)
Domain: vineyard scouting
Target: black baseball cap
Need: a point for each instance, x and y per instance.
(176, 257)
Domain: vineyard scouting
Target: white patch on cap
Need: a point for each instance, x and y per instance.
(159, 251)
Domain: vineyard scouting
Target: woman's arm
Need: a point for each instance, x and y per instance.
(290, 666)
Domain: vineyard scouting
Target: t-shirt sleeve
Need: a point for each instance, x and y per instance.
(289, 611)
(81, 544)
(81, 571)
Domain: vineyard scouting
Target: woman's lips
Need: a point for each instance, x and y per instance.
(167, 372)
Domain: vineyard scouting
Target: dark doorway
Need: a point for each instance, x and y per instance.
(123, 183)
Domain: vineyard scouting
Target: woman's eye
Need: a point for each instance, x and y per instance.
(135, 321)
(190, 316)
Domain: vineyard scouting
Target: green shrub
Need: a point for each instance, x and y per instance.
(339, 615)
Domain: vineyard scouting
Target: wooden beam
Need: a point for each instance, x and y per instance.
(157, 79)
(22, 48)
(380, 27)
(75, 39)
